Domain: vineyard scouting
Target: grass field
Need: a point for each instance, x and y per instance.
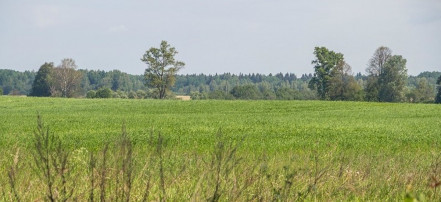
(291, 150)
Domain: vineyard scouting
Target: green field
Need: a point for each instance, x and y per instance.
(328, 150)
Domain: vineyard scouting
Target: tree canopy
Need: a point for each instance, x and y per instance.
(41, 86)
(162, 68)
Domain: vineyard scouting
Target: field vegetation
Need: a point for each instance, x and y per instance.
(119, 150)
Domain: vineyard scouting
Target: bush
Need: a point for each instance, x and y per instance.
(198, 96)
(91, 94)
(286, 94)
(246, 92)
(1, 91)
(141, 94)
(104, 93)
(220, 95)
(132, 95)
(120, 94)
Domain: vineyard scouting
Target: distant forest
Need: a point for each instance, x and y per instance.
(283, 86)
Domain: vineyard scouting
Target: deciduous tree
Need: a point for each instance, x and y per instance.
(387, 75)
(392, 79)
(41, 86)
(342, 85)
(162, 68)
(66, 79)
(325, 61)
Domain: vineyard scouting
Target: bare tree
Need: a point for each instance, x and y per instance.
(66, 79)
(376, 63)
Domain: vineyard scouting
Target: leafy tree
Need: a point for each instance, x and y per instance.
(1, 91)
(325, 61)
(41, 86)
(342, 85)
(423, 91)
(438, 95)
(378, 60)
(387, 75)
(374, 70)
(66, 79)
(162, 68)
(392, 80)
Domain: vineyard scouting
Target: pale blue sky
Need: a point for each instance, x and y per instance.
(248, 36)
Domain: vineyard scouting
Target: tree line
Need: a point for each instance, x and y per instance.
(386, 81)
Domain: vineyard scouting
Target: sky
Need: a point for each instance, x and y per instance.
(236, 36)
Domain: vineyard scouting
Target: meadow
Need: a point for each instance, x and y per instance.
(219, 150)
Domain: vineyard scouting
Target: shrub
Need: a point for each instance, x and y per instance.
(91, 94)
(132, 95)
(246, 92)
(104, 93)
(141, 94)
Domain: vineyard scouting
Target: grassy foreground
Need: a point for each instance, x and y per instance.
(220, 150)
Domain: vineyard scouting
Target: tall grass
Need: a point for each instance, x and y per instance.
(119, 171)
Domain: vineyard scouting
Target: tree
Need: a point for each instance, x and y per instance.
(392, 79)
(438, 95)
(423, 91)
(374, 70)
(387, 75)
(66, 79)
(378, 60)
(342, 85)
(324, 63)
(162, 68)
(41, 86)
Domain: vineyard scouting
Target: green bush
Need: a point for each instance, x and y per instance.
(91, 94)
(246, 92)
(132, 95)
(104, 93)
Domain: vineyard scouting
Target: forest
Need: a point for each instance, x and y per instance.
(288, 86)
(386, 81)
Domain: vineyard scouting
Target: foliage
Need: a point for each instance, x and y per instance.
(286, 94)
(438, 95)
(387, 76)
(91, 94)
(41, 86)
(392, 80)
(21, 83)
(11, 80)
(342, 85)
(66, 79)
(423, 92)
(103, 93)
(324, 63)
(162, 68)
(246, 92)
